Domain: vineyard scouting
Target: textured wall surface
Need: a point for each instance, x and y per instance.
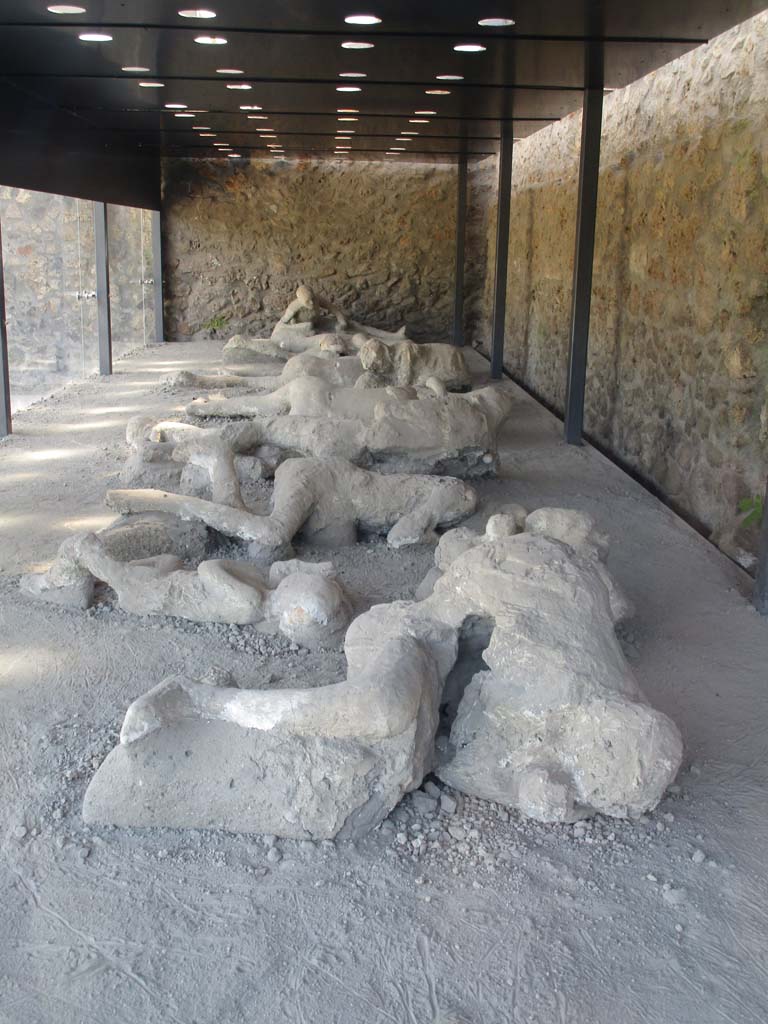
(377, 238)
(678, 368)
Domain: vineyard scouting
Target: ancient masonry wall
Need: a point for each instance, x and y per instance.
(377, 238)
(678, 367)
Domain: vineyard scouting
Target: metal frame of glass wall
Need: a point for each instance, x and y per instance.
(146, 228)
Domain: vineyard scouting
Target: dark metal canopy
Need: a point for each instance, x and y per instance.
(68, 92)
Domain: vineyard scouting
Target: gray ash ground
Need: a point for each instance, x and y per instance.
(445, 914)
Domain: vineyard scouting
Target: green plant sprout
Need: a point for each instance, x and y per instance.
(752, 509)
(216, 323)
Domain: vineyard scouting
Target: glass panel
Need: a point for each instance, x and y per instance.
(126, 273)
(50, 292)
(148, 281)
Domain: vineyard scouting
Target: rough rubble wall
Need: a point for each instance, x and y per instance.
(377, 238)
(678, 368)
(479, 257)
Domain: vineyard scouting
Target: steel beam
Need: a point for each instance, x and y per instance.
(504, 201)
(5, 383)
(761, 584)
(101, 231)
(461, 234)
(157, 276)
(586, 216)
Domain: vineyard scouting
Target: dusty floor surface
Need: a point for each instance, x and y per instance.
(474, 918)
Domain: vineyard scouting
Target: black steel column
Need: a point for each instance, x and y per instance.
(504, 201)
(586, 215)
(761, 584)
(101, 231)
(5, 383)
(157, 276)
(461, 231)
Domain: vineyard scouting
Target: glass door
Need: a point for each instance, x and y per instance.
(126, 277)
(50, 291)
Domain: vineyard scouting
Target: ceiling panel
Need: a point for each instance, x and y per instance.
(291, 55)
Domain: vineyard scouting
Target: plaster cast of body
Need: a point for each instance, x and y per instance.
(322, 364)
(298, 326)
(151, 461)
(555, 726)
(448, 434)
(404, 362)
(326, 499)
(69, 582)
(376, 365)
(303, 396)
(304, 599)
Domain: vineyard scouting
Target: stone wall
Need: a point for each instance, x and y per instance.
(376, 237)
(678, 365)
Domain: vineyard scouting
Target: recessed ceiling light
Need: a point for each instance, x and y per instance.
(229, 71)
(258, 117)
(417, 120)
(469, 48)
(437, 92)
(139, 70)
(95, 37)
(346, 131)
(152, 85)
(425, 111)
(449, 78)
(207, 135)
(362, 19)
(347, 110)
(397, 149)
(238, 85)
(184, 115)
(234, 156)
(495, 22)
(250, 106)
(210, 40)
(350, 45)
(197, 12)
(66, 9)
(409, 133)
(352, 74)
(175, 106)
(340, 138)
(347, 119)
(399, 139)
(348, 88)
